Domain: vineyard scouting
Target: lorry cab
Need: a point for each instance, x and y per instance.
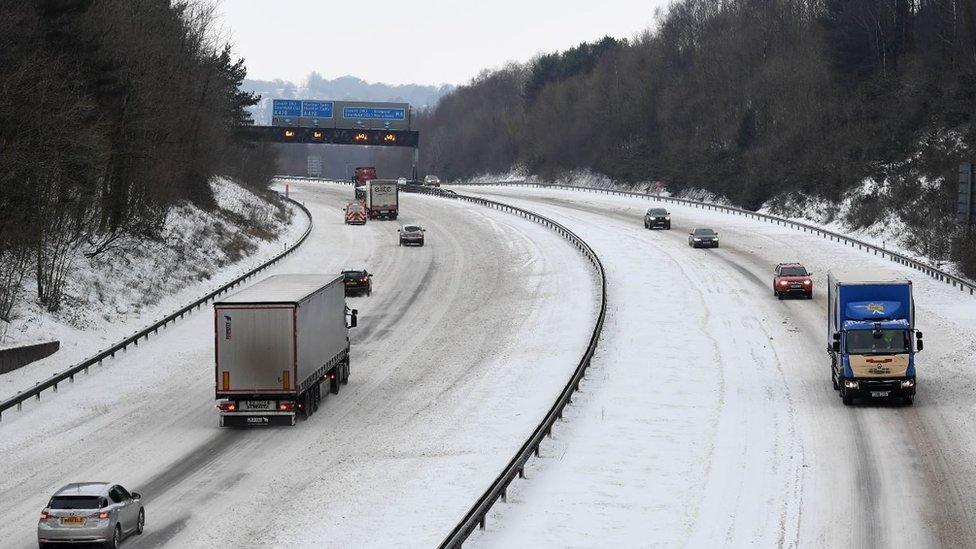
(872, 336)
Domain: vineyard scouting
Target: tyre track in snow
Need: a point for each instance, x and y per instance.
(425, 412)
(889, 482)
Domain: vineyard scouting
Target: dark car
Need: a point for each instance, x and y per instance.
(358, 282)
(792, 279)
(411, 234)
(657, 217)
(703, 238)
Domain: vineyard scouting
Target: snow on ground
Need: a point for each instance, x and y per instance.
(125, 289)
(460, 350)
(708, 419)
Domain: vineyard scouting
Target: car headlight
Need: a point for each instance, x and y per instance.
(907, 383)
(667, 218)
(697, 240)
(807, 283)
(783, 283)
(851, 384)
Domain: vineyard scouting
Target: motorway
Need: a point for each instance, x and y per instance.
(460, 350)
(708, 417)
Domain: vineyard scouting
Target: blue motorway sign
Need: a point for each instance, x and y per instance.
(286, 107)
(374, 113)
(316, 109)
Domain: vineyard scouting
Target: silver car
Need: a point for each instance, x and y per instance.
(411, 234)
(90, 512)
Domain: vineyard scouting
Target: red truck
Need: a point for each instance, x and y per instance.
(363, 175)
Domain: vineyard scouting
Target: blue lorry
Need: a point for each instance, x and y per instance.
(871, 335)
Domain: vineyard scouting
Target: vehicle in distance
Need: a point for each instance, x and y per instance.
(792, 279)
(703, 238)
(90, 512)
(432, 181)
(382, 199)
(870, 329)
(411, 234)
(277, 341)
(355, 214)
(358, 282)
(363, 175)
(657, 217)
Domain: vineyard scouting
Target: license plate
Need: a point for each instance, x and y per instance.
(880, 393)
(256, 405)
(258, 420)
(72, 521)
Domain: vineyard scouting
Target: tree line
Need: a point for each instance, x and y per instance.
(749, 99)
(111, 112)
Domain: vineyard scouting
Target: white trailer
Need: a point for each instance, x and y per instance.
(382, 198)
(276, 342)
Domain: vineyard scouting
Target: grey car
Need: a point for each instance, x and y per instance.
(90, 512)
(703, 238)
(411, 234)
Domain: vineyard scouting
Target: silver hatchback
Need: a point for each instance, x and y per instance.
(90, 512)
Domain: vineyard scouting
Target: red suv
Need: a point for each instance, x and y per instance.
(792, 279)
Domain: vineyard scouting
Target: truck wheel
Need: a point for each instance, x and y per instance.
(334, 382)
(909, 401)
(779, 296)
(345, 373)
(833, 380)
(846, 398)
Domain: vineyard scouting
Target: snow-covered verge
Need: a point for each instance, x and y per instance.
(138, 281)
(887, 228)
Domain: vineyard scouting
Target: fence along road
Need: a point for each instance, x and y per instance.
(69, 374)
(933, 272)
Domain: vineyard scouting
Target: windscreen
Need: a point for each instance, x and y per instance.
(353, 274)
(657, 211)
(793, 271)
(74, 502)
(885, 342)
(411, 229)
(704, 232)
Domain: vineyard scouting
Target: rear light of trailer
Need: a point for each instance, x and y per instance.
(286, 406)
(227, 406)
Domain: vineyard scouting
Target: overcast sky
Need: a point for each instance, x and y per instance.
(416, 41)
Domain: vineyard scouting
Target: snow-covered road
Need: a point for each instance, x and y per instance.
(708, 419)
(460, 350)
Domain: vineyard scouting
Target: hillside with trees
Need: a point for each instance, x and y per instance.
(111, 113)
(749, 99)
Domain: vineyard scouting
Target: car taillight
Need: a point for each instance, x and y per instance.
(227, 406)
(807, 283)
(286, 406)
(364, 280)
(45, 515)
(103, 515)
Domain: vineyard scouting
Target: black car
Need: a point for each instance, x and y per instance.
(703, 238)
(657, 217)
(358, 282)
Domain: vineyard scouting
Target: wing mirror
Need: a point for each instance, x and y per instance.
(136, 495)
(835, 346)
(919, 344)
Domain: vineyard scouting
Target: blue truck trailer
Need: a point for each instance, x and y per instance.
(871, 335)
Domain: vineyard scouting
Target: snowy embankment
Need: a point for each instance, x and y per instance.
(139, 281)
(889, 232)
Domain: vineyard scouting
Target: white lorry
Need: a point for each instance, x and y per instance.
(276, 343)
(382, 198)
